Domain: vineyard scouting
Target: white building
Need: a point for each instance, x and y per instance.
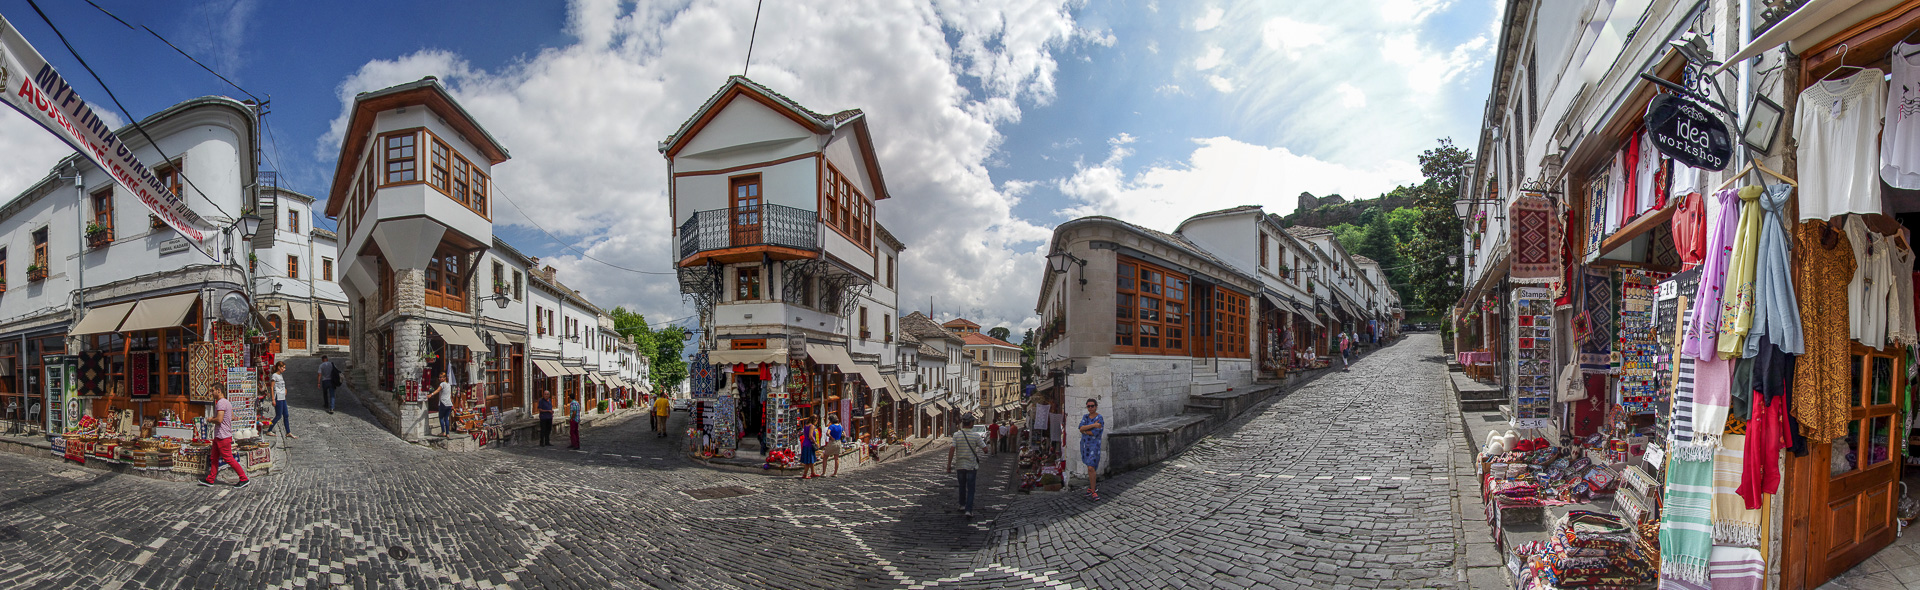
(295, 276)
(1255, 243)
(773, 207)
(130, 298)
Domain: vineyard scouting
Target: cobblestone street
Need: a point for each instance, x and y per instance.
(1340, 483)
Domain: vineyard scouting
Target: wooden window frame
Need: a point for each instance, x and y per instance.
(844, 209)
(479, 192)
(293, 220)
(460, 194)
(41, 239)
(516, 285)
(326, 269)
(438, 163)
(387, 159)
(1263, 250)
(103, 210)
(171, 175)
(539, 320)
(446, 288)
(499, 278)
(297, 333)
(1231, 314)
(293, 266)
(864, 333)
(748, 284)
(1171, 337)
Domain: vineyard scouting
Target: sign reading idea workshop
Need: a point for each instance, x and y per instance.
(1684, 130)
(32, 87)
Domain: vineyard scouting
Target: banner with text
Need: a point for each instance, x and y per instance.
(32, 87)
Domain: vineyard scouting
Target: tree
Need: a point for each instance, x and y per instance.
(1027, 368)
(1432, 283)
(999, 332)
(663, 348)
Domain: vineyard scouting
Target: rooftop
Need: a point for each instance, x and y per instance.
(978, 339)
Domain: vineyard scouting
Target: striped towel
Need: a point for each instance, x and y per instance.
(1733, 523)
(1736, 568)
(1712, 380)
(1686, 527)
(1683, 408)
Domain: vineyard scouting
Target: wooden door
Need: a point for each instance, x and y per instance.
(745, 216)
(273, 335)
(1854, 480)
(297, 334)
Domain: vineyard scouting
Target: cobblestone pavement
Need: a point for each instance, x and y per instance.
(1340, 483)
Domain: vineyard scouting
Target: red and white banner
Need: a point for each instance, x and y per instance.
(32, 87)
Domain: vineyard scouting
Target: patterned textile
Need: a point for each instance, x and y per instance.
(1597, 294)
(1686, 526)
(1822, 378)
(227, 338)
(1736, 568)
(1661, 250)
(1736, 305)
(1712, 384)
(1733, 523)
(1596, 219)
(1681, 432)
(1536, 243)
(1722, 219)
(1776, 316)
(204, 372)
(92, 377)
(138, 365)
(1563, 288)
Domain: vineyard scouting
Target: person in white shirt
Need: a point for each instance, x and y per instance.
(444, 395)
(279, 381)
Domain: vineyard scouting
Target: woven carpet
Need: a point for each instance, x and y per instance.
(1536, 244)
(1596, 308)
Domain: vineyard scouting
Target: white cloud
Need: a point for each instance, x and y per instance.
(1170, 89)
(1211, 59)
(582, 120)
(1220, 83)
(1292, 38)
(1350, 96)
(1210, 19)
(1411, 11)
(1222, 172)
(220, 30)
(1427, 71)
(1101, 37)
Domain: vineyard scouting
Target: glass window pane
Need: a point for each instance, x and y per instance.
(1882, 380)
(1844, 458)
(1877, 445)
(1855, 367)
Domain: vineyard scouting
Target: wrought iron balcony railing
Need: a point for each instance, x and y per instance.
(757, 225)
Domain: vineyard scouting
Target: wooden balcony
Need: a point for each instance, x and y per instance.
(746, 234)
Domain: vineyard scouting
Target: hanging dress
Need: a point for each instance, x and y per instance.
(1822, 379)
(1736, 303)
(1776, 313)
(1900, 313)
(1703, 331)
(1837, 123)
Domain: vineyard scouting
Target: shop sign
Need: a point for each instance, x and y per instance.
(1682, 129)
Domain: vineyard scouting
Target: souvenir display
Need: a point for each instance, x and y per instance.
(1532, 375)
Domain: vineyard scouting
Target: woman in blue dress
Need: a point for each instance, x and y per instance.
(807, 457)
(1092, 426)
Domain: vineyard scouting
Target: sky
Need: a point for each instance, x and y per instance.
(994, 120)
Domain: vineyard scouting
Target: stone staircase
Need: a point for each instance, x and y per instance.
(1206, 378)
(1143, 444)
(1475, 396)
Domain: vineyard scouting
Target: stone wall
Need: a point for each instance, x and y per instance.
(1144, 388)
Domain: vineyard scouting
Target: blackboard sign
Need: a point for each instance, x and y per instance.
(1683, 130)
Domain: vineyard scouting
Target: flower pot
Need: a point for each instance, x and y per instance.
(99, 239)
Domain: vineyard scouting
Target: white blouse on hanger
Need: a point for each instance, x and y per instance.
(1900, 140)
(1838, 123)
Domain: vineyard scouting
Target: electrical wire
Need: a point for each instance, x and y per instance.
(176, 48)
(123, 108)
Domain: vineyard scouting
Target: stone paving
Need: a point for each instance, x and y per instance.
(1341, 483)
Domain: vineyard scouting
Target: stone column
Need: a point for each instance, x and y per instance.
(410, 342)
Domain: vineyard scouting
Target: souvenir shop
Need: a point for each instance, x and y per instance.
(142, 380)
(1286, 335)
(1042, 461)
(1710, 368)
(745, 397)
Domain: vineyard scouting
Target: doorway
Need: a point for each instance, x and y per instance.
(745, 215)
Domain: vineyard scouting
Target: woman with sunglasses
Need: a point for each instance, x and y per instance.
(1092, 426)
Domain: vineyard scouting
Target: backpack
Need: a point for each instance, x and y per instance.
(333, 373)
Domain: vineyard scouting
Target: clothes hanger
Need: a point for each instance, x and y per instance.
(1907, 41)
(1843, 64)
(1735, 178)
(1771, 172)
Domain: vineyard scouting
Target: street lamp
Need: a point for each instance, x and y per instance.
(1059, 261)
(250, 225)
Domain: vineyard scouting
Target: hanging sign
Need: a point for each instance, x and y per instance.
(32, 87)
(1683, 130)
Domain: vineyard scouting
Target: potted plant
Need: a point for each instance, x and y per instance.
(3, 284)
(154, 222)
(98, 235)
(36, 272)
(499, 287)
(253, 262)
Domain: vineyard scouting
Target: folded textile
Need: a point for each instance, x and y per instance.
(1736, 568)
(1712, 382)
(1733, 523)
(1686, 527)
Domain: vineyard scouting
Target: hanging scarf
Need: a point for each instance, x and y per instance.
(1686, 525)
(1776, 312)
(1736, 306)
(1703, 332)
(1712, 381)
(1736, 568)
(1733, 523)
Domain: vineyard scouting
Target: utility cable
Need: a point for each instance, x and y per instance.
(752, 36)
(176, 48)
(123, 108)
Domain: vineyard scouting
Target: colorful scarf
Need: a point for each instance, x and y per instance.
(1736, 306)
(1712, 382)
(1704, 331)
(1686, 526)
(1776, 311)
(1733, 523)
(1536, 242)
(1596, 308)
(1736, 568)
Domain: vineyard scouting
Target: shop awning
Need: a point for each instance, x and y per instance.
(298, 311)
(160, 312)
(101, 320)
(460, 336)
(579, 370)
(508, 337)
(765, 355)
(1831, 16)
(870, 375)
(830, 355)
(595, 379)
(944, 406)
(552, 369)
(332, 311)
(909, 396)
(1312, 318)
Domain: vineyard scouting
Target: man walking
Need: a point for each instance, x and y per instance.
(993, 437)
(546, 419)
(222, 450)
(662, 408)
(967, 447)
(329, 378)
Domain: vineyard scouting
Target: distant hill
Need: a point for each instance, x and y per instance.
(1332, 210)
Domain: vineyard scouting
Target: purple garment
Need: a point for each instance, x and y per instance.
(1703, 333)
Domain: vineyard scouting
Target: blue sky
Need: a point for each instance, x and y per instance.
(995, 119)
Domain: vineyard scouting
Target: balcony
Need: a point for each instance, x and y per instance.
(744, 234)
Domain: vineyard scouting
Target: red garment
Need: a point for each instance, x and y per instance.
(766, 374)
(1566, 265)
(1661, 176)
(1766, 435)
(1690, 229)
(222, 451)
(1631, 165)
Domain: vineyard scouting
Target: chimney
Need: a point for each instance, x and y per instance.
(547, 272)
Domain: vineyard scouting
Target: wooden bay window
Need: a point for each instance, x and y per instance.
(1150, 309)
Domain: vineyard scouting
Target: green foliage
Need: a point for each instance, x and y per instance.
(1435, 233)
(1000, 332)
(663, 347)
(1027, 368)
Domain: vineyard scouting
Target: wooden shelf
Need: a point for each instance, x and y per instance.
(1640, 225)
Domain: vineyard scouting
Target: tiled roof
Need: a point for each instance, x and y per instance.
(1171, 239)
(922, 327)
(929, 351)
(1308, 232)
(961, 322)
(325, 233)
(978, 339)
(1363, 260)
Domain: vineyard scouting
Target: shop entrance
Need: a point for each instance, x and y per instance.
(1851, 484)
